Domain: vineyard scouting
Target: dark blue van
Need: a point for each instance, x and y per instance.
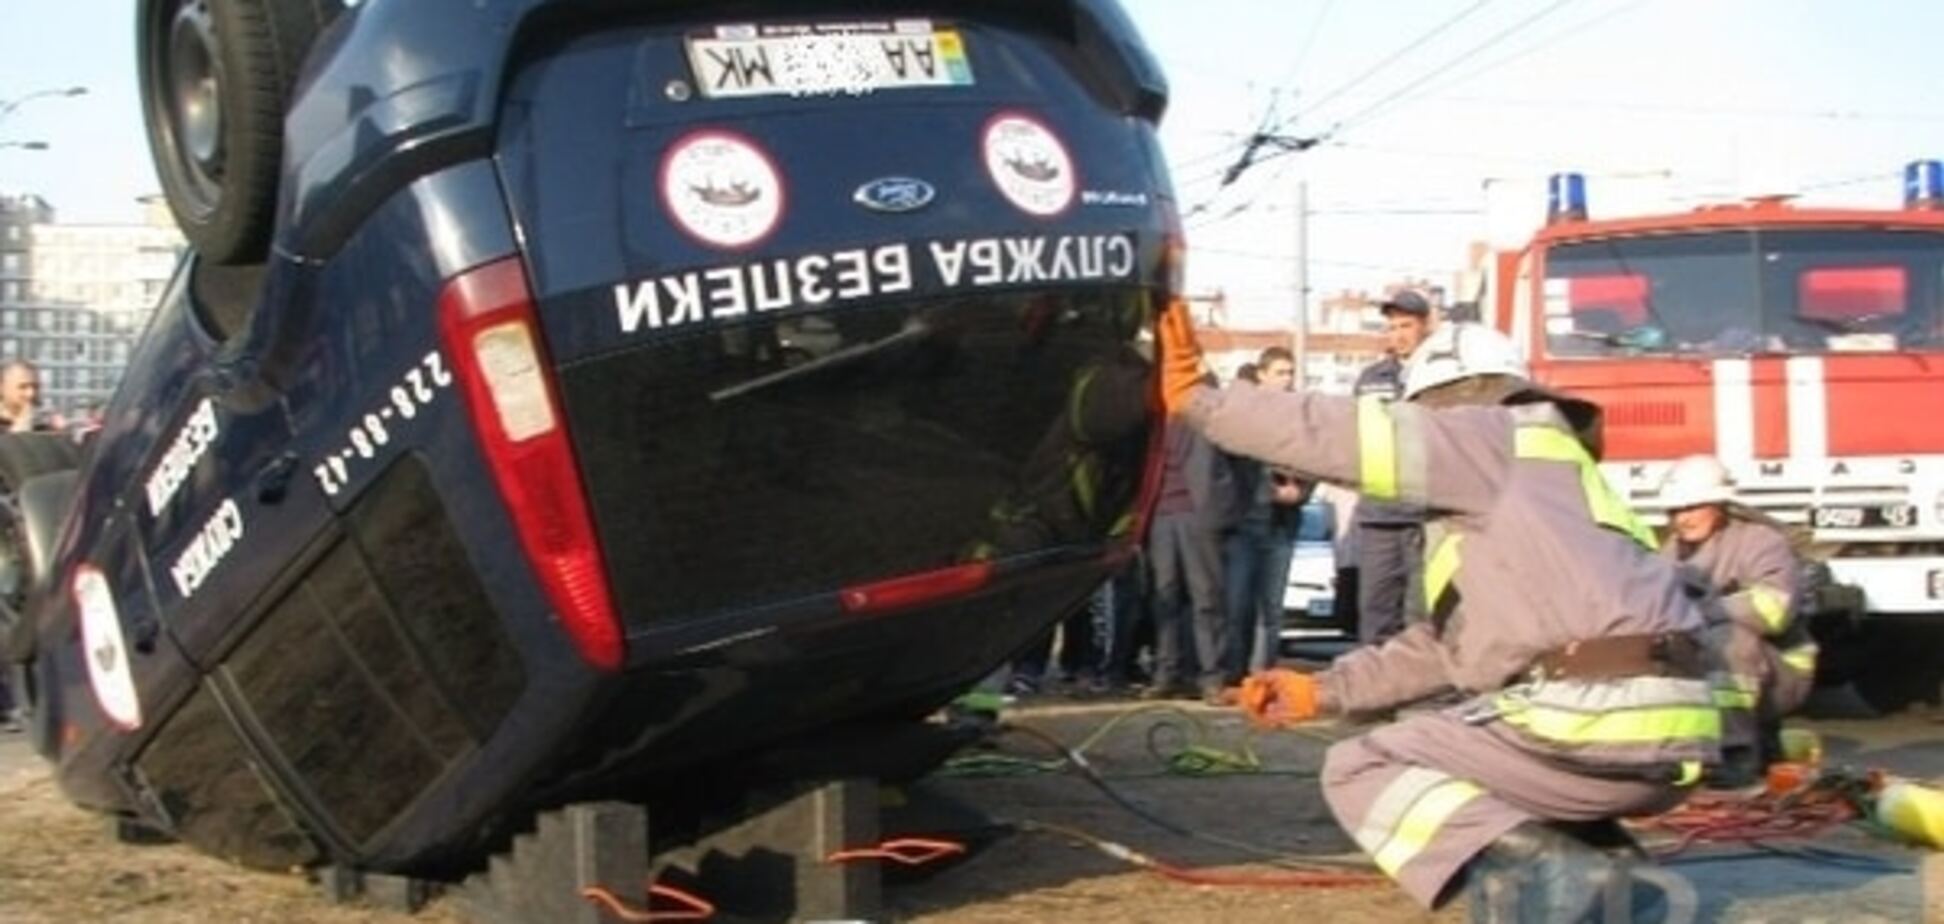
(583, 396)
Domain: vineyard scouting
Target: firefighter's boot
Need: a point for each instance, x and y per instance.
(1557, 874)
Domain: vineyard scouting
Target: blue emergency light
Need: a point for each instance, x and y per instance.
(1565, 197)
(1924, 184)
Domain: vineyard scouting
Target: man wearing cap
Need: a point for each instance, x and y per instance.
(1741, 561)
(1388, 535)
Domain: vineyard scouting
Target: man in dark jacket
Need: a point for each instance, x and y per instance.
(1389, 537)
(1201, 502)
(1257, 551)
(19, 401)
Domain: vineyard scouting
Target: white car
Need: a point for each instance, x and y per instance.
(1309, 596)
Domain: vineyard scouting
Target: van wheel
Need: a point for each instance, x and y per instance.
(215, 77)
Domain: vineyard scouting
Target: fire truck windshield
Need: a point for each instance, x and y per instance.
(1745, 291)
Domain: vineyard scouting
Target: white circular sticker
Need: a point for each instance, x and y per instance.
(1029, 164)
(105, 651)
(722, 189)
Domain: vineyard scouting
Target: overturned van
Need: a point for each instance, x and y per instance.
(593, 395)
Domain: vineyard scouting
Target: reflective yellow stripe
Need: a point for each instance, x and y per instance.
(1771, 605)
(1730, 697)
(1631, 726)
(1440, 568)
(1422, 822)
(1735, 691)
(1376, 449)
(1387, 810)
(1549, 443)
(1554, 445)
(1802, 658)
(1690, 773)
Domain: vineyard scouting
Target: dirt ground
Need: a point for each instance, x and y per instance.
(58, 864)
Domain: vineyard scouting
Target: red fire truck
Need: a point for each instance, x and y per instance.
(1802, 346)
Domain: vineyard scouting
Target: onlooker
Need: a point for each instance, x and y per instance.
(20, 397)
(1287, 495)
(1127, 624)
(1256, 553)
(1078, 661)
(1199, 503)
(1389, 535)
(19, 401)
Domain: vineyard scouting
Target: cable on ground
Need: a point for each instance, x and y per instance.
(694, 907)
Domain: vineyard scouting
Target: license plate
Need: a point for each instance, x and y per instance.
(1321, 608)
(1866, 516)
(827, 59)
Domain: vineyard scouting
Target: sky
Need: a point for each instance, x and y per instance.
(1439, 119)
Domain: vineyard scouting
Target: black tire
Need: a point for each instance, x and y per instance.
(216, 77)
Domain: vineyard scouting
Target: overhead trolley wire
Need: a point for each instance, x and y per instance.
(1549, 41)
(1371, 110)
(1413, 45)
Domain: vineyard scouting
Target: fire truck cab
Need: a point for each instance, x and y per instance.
(1802, 346)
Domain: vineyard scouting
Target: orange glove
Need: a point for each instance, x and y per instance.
(1180, 356)
(1279, 697)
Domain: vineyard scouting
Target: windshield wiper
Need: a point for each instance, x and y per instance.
(1639, 338)
(1856, 325)
(1646, 298)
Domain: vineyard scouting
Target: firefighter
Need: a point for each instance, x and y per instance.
(1583, 660)
(1743, 563)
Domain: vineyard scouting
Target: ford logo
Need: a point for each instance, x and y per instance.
(895, 194)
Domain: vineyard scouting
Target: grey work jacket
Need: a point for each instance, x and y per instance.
(1528, 551)
(1755, 578)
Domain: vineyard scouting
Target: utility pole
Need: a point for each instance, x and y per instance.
(1280, 145)
(1302, 283)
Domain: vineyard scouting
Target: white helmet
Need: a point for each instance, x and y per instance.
(1696, 480)
(1460, 350)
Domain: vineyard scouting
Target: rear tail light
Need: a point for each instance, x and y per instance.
(916, 589)
(486, 319)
